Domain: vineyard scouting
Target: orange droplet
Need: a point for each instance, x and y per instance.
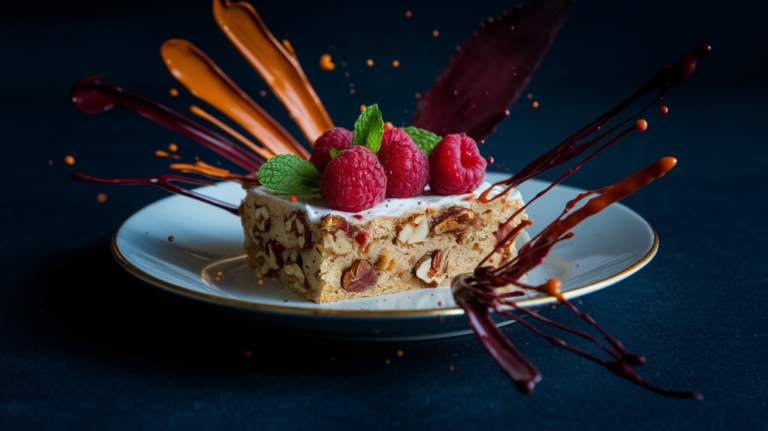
(69, 160)
(263, 93)
(418, 95)
(352, 91)
(173, 147)
(408, 14)
(174, 92)
(326, 63)
(197, 158)
(395, 63)
(161, 153)
(101, 198)
(387, 362)
(362, 108)
(171, 238)
(663, 110)
(50, 162)
(369, 62)
(175, 156)
(399, 353)
(346, 74)
(641, 125)
(248, 353)
(435, 33)
(535, 104)
(530, 96)
(288, 47)
(261, 282)
(293, 198)
(451, 368)
(388, 126)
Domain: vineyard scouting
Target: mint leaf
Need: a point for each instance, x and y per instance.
(290, 175)
(422, 138)
(369, 128)
(334, 152)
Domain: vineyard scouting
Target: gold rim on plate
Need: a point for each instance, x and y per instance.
(533, 302)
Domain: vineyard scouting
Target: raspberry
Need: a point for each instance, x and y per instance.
(353, 181)
(406, 166)
(456, 166)
(337, 138)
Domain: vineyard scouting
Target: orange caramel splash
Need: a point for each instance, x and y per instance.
(206, 81)
(277, 66)
(160, 153)
(326, 63)
(289, 47)
(263, 152)
(210, 171)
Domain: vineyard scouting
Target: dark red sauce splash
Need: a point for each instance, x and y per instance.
(164, 182)
(93, 96)
(486, 75)
(476, 292)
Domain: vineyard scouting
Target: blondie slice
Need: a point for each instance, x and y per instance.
(400, 244)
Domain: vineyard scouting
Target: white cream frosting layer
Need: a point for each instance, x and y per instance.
(316, 208)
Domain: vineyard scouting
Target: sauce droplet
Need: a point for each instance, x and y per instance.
(641, 125)
(388, 126)
(293, 198)
(173, 92)
(395, 63)
(326, 63)
(369, 62)
(69, 160)
(489, 159)
(435, 33)
(362, 108)
(663, 109)
(535, 104)
(408, 14)
(171, 238)
(101, 198)
(173, 147)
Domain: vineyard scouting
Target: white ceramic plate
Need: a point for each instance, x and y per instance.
(205, 262)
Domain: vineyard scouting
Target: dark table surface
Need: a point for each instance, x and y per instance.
(83, 344)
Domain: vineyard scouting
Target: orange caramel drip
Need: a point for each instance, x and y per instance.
(210, 171)
(326, 63)
(277, 66)
(289, 47)
(160, 153)
(263, 152)
(206, 81)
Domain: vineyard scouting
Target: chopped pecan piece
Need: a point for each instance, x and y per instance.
(454, 220)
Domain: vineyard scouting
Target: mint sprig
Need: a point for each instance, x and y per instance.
(334, 152)
(369, 129)
(288, 174)
(423, 139)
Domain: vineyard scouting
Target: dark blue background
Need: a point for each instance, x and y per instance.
(83, 344)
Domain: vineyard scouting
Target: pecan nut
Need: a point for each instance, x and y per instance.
(454, 220)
